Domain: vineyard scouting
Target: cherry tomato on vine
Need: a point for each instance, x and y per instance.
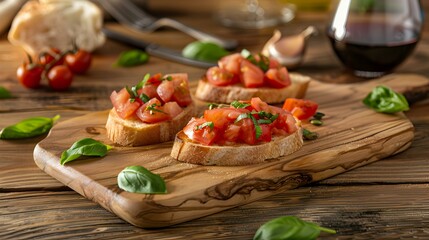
(29, 75)
(60, 77)
(79, 62)
(46, 58)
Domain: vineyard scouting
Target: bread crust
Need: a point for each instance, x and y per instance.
(133, 132)
(185, 150)
(227, 94)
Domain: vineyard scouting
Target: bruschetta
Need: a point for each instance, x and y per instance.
(240, 78)
(242, 133)
(151, 112)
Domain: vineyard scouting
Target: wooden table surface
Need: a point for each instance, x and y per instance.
(388, 199)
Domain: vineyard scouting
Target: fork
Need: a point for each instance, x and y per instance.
(131, 15)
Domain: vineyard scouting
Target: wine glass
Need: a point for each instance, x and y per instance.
(372, 37)
(254, 14)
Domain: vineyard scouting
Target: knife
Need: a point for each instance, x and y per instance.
(156, 50)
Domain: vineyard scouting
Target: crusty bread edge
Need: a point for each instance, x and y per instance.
(240, 154)
(133, 132)
(227, 94)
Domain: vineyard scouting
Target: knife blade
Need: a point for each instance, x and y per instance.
(155, 49)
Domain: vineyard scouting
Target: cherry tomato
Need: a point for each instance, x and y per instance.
(251, 76)
(165, 90)
(29, 75)
(300, 108)
(220, 77)
(60, 78)
(277, 77)
(181, 94)
(123, 106)
(79, 62)
(54, 54)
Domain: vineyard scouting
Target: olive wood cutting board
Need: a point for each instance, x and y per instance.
(352, 136)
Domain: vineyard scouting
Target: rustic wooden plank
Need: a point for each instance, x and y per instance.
(352, 136)
(358, 212)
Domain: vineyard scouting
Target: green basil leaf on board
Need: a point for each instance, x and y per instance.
(204, 51)
(84, 147)
(289, 227)
(138, 179)
(4, 93)
(27, 128)
(132, 58)
(385, 100)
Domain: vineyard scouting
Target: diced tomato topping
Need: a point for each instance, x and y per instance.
(277, 77)
(300, 108)
(229, 125)
(123, 106)
(220, 77)
(195, 131)
(274, 63)
(166, 94)
(250, 75)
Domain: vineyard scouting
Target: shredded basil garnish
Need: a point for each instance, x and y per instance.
(152, 108)
(237, 104)
(137, 179)
(385, 100)
(203, 125)
(290, 227)
(28, 128)
(84, 147)
(263, 63)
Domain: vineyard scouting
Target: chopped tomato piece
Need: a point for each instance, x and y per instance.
(220, 77)
(232, 133)
(258, 104)
(300, 108)
(231, 63)
(165, 90)
(155, 79)
(277, 77)
(152, 112)
(181, 93)
(149, 90)
(172, 109)
(266, 133)
(195, 131)
(250, 75)
(274, 63)
(247, 131)
(123, 106)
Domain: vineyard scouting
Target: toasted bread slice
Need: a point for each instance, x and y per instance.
(211, 93)
(133, 132)
(185, 150)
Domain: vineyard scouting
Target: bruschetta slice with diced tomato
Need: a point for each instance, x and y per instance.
(152, 111)
(242, 133)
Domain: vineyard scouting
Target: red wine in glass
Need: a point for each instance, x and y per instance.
(373, 43)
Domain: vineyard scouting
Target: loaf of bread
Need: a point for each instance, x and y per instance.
(44, 24)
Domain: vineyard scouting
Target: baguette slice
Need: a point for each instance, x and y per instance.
(185, 150)
(211, 93)
(133, 132)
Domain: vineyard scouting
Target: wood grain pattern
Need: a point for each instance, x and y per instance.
(351, 137)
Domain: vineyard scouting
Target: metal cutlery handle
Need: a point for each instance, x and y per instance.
(225, 43)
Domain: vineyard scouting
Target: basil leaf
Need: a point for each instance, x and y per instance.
(204, 51)
(203, 125)
(143, 82)
(84, 147)
(309, 135)
(385, 100)
(132, 58)
(138, 179)
(4, 93)
(28, 128)
(289, 227)
(258, 129)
